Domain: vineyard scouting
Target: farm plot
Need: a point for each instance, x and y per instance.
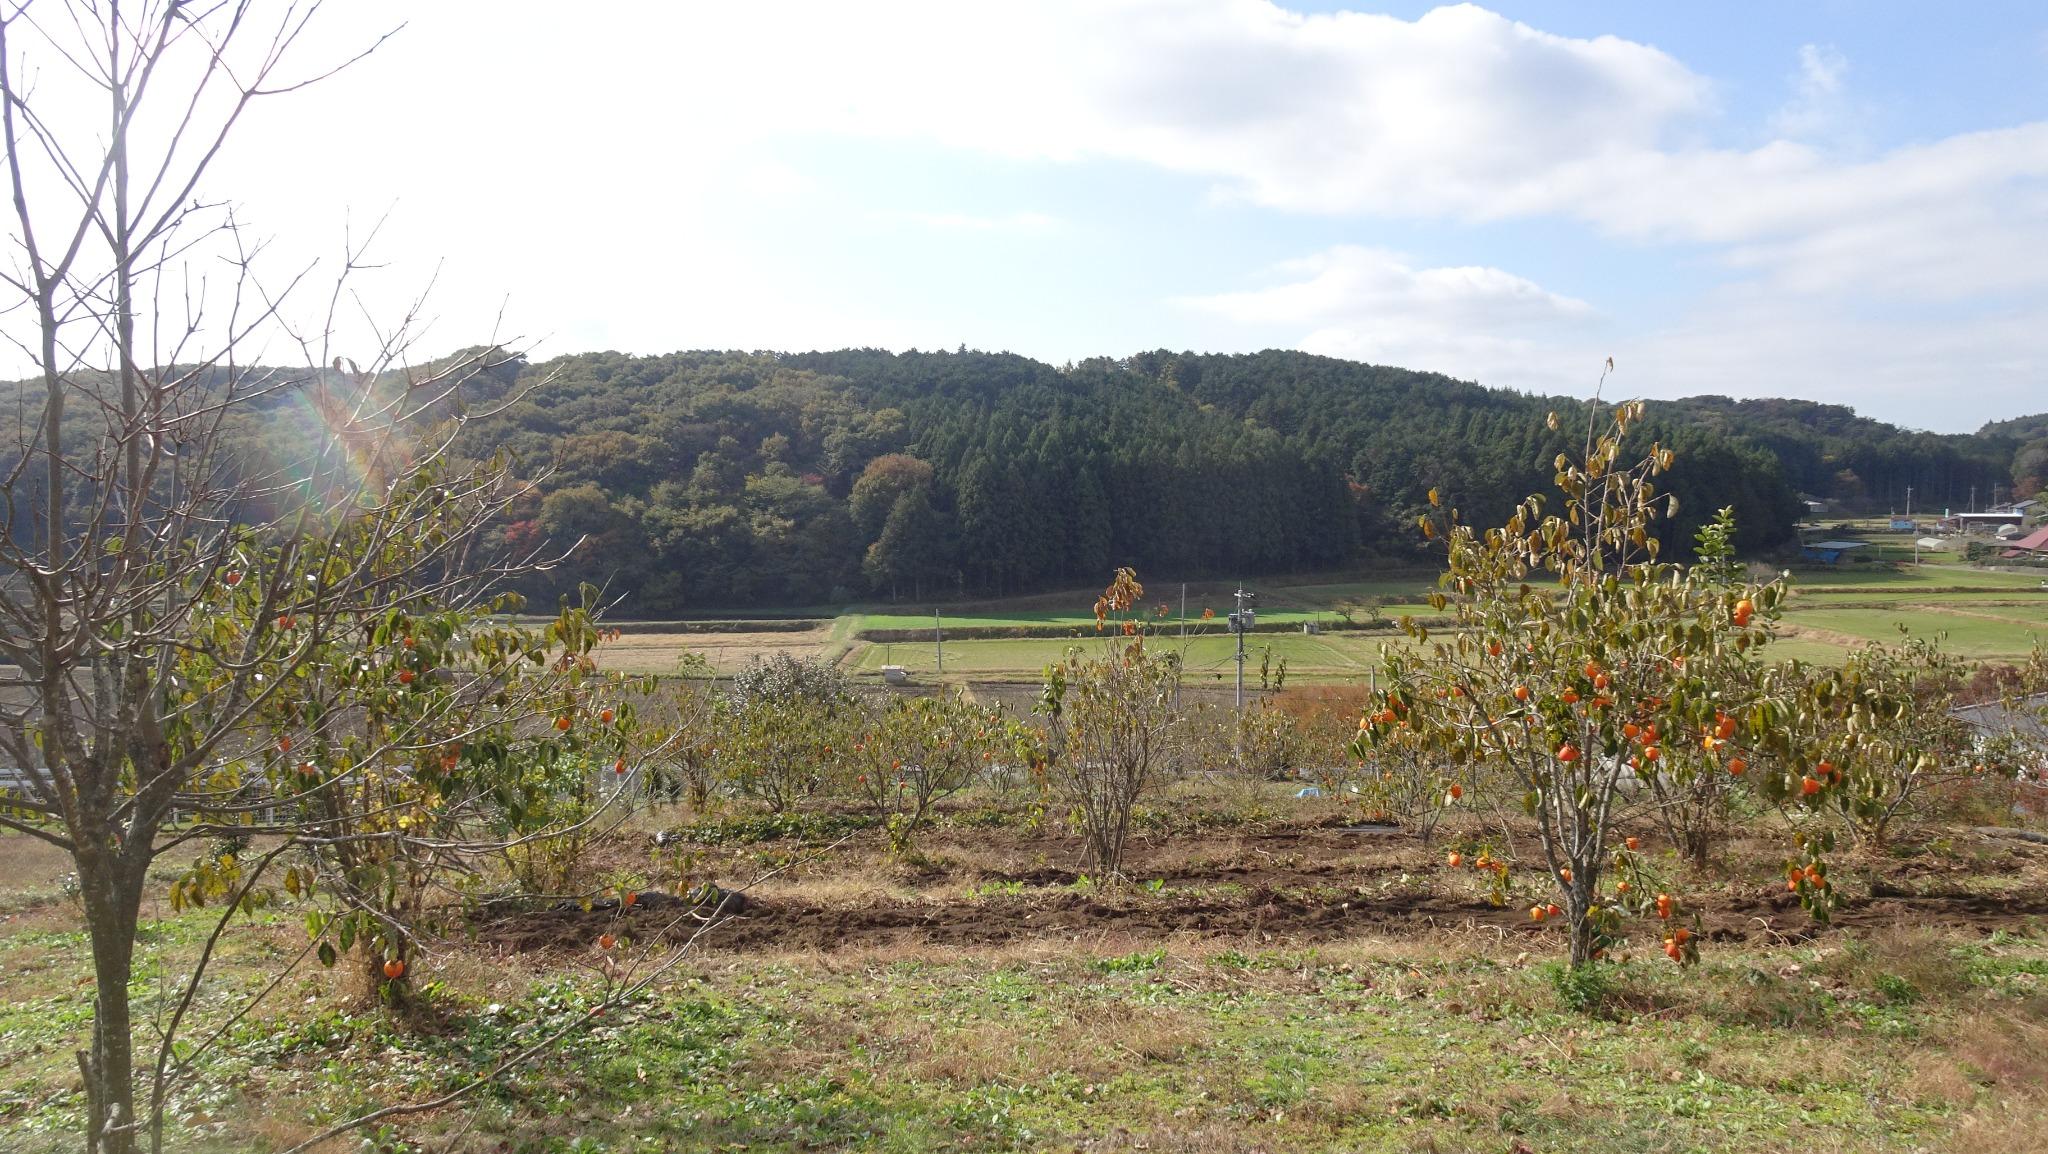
(662, 653)
(1982, 632)
(1326, 657)
(1270, 980)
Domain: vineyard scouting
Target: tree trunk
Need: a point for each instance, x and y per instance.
(1578, 900)
(1698, 847)
(113, 902)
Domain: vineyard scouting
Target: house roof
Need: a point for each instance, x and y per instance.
(2038, 539)
(2029, 720)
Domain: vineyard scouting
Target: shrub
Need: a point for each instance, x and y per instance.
(1111, 723)
(917, 751)
(1583, 664)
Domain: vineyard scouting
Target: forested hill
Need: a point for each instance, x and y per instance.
(712, 480)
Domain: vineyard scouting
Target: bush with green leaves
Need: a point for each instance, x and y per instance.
(914, 752)
(784, 726)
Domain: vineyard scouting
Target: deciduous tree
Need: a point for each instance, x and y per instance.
(1579, 658)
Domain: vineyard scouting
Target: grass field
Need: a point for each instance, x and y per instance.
(1985, 633)
(1082, 620)
(1910, 577)
(1328, 657)
(1985, 615)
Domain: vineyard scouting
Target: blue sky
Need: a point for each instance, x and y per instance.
(1834, 200)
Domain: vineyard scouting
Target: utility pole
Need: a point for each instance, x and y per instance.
(1241, 622)
(939, 636)
(1183, 611)
(1911, 527)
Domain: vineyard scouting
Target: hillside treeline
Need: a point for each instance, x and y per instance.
(703, 481)
(712, 480)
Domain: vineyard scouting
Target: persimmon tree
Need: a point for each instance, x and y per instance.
(1269, 742)
(204, 549)
(1886, 728)
(1578, 664)
(914, 752)
(686, 740)
(1405, 780)
(1111, 720)
(1700, 772)
(784, 726)
(408, 743)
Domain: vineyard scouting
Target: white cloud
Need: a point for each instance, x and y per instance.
(776, 180)
(1751, 339)
(1022, 222)
(1460, 114)
(625, 196)
(1371, 305)
(1819, 93)
(1945, 372)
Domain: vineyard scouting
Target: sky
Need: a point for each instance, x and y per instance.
(1841, 201)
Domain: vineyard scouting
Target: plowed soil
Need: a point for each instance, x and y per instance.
(1287, 885)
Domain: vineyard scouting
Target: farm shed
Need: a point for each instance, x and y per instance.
(1981, 522)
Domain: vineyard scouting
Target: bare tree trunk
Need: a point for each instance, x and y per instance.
(112, 892)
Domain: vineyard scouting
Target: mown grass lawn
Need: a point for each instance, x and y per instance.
(1911, 577)
(1083, 620)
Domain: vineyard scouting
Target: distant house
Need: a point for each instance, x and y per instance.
(2032, 546)
(1830, 552)
(1816, 507)
(1982, 522)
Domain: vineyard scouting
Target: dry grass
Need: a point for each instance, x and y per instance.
(1998, 1064)
(30, 870)
(1176, 1050)
(727, 652)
